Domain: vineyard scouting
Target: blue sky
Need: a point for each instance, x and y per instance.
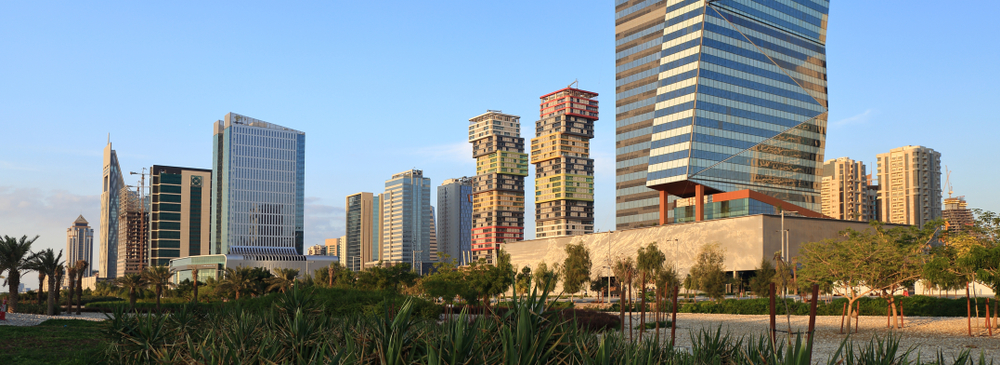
(382, 87)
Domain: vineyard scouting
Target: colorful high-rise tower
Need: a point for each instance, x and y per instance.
(498, 188)
(564, 171)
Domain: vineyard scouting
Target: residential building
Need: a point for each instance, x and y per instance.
(845, 190)
(498, 187)
(317, 250)
(113, 183)
(910, 185)
(258, 189)
(80, 244)
(133, 232)
(180, 214)
(407, 220)
(715, 97)
(564, 171)
(454, 218)
(362, 226)
(332, 246)
(433, 241)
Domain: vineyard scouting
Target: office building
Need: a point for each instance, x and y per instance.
(454, 219)
(258, 188)
(498, 187)
(80, 244)
(332, 246)
(714, 97)
(317, 250)
(910, 185)
(564, 171)
(113, 183)
(406, 230)
(363, 222)
(133, 232)
(845, 190)
(180, 213)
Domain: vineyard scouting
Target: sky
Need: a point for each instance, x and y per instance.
(381, 87)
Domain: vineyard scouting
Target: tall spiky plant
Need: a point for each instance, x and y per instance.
(158, 277)
(15, 257)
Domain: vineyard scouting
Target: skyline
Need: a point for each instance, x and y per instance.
(458, 69)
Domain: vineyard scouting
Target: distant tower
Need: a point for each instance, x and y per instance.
(564, 171)
(454, 218)
(407, 225)
(113, 183)
(498, 188)
(910, 185)
(845, 190)
(80, 244)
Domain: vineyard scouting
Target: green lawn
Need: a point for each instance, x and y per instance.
(56, 341)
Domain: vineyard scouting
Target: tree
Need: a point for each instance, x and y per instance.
(71, 283)
(491, 280)
(60, 274)
(159, 277)
(49, 262)
(624, 269)
(649, 259)
(523, 281)
(576, 268)
(81, 268)
(282, 280)
(238, 280)
(666, 279)
(763, 275)
(545, 278)
(194, 289)
(447, 283)
(15, 257)
(708, 272)
(876, 260)
(134, 283)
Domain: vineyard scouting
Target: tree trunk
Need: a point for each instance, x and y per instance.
(631, 328)
(58, 292)
(159, 291)
(131, 298)
(41, 286)
(72, 287)
(642, 311)
(79, 292)
(14, 283)
(52, 297)
(194, 273)
(968, 308)
(621, 304)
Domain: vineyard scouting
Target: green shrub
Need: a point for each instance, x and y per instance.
(922, 306)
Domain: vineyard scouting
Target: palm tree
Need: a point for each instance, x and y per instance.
(237, 280)
(71, 283)
(49, 262)
(159, 277)
(134, 283)
(41, 285)
(15, 256)
(81, 268)
(283, 279)
(60, 274)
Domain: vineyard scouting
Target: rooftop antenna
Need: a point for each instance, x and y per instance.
(575, 82)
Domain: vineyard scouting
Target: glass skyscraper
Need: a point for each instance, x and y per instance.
(258, 187)
(454, 218)
(80, 244)
(113, 183)
(406, 228)
(718, 96)
(180, 213)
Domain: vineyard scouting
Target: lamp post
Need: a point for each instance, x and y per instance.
(784, 242)
(414, 262)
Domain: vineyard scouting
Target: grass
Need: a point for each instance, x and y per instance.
(55, 341)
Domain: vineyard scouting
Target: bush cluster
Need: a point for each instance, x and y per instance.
(918, 306)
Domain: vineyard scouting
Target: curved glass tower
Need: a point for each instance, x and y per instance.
(718, 96)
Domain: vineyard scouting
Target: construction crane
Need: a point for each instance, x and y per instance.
(947, 180)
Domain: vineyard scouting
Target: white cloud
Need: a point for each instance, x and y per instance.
(856, 119)
(460, 152)
(322, 221)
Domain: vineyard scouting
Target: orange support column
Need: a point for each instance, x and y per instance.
(663, 207)
(699, 204)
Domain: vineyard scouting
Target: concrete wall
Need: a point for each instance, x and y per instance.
(746, 240)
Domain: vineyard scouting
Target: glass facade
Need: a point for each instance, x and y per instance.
(259, 171)
(110, 202)
(352, 253)
(407, 218)
(454, 218)
(179, 214)
(729, 94)
(725, 209)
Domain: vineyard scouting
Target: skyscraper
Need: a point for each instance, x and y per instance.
(80, 244)
(498, 187)
(454, 218)
(718, 96)
(845, 192)
(910, 185)
(407, 219)
(564, 171)
(362, 225)
(258, 188)
(133, 232)
(113, 183)
(180, 214)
